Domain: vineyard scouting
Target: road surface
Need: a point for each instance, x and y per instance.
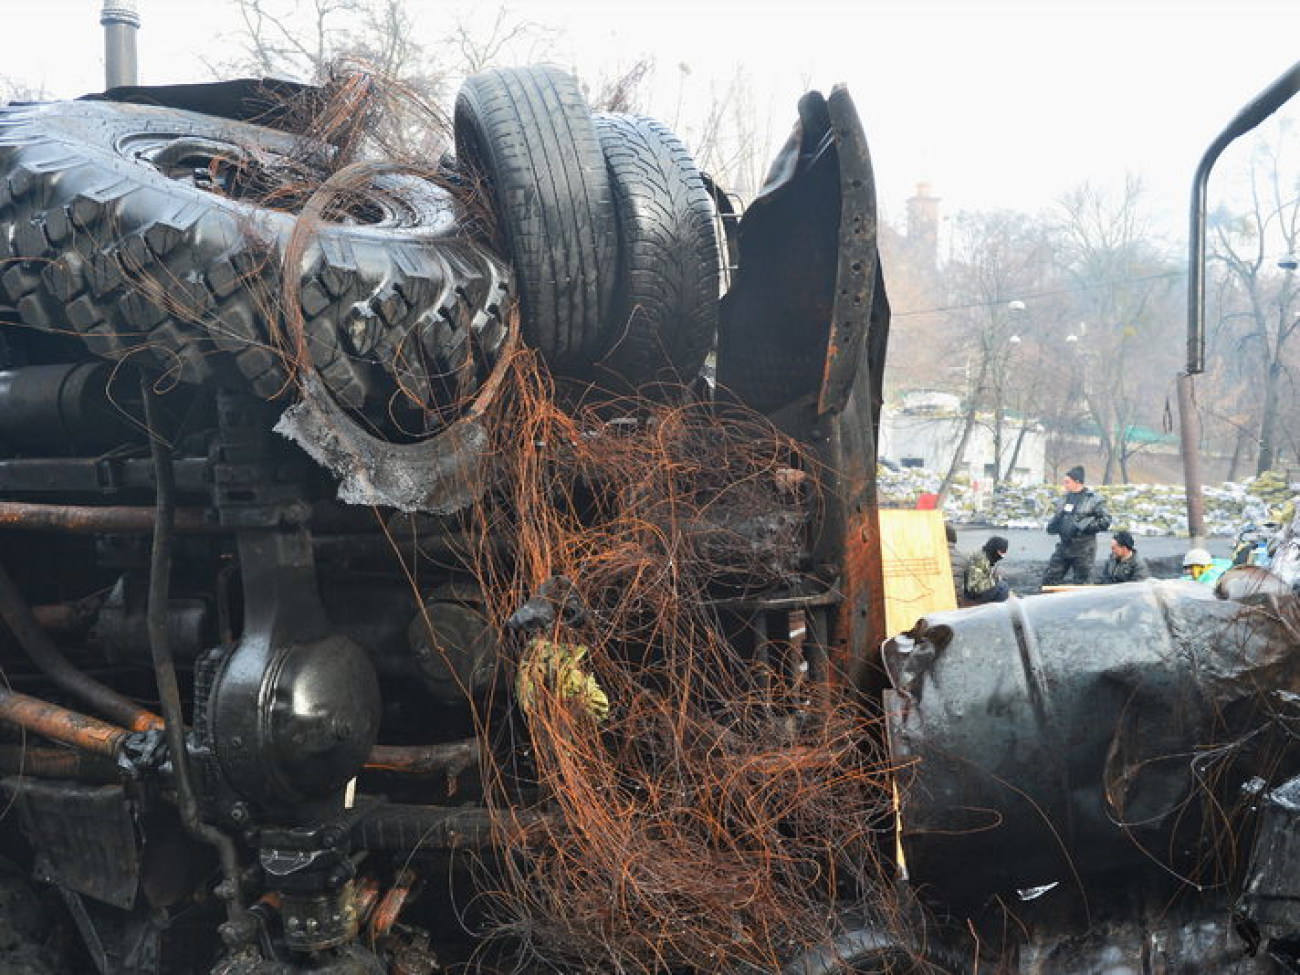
(1036, 546)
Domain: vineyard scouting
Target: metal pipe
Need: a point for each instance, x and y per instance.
(37, 644)
(1189, 432)
(1261, 107)
(1256, 111)
(75, 617)
(120, 21)
(57, 763)
(451, 757)
(80, 519)
(60, 724)
(406, 828)
(169, 692)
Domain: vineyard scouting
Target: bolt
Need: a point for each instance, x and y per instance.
(331, 836)
(238, 932)
(239, 813)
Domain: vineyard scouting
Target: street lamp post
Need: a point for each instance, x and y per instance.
(1252, 114)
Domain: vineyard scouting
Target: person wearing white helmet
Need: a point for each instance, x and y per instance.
(1200, 566)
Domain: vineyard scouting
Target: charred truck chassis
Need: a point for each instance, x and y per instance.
(173, 534)
(217, 476)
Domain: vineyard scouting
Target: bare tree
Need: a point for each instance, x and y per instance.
(622, 92)
(1121, 288)
(323, 40)
(504, 39)
(1260, 303)
(729, 139)
(998, 257)
(296, 39)
(14, 90)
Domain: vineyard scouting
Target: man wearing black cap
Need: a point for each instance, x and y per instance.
(1124, 564)
(1079, 516)
(982, 581)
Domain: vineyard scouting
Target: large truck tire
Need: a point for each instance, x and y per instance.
(155, 235)
(665, 316)
(529, 135)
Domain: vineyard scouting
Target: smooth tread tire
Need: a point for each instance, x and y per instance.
(112, 228)
(528, 133)
(665, 317)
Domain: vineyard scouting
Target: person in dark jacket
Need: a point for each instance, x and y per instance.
(1124, 564)
(982, 581)
(1079, 516)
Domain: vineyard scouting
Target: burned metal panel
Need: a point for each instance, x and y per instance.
(1271, 898)
(441, 475)
(859, 283)
(273, 102)
(807, 312)
(803, 336)
(84, 837)
(1072, 739)
(775, 319)
(851, 398)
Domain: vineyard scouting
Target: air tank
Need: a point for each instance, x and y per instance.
(1069, 737)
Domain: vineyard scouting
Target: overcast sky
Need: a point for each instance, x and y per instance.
(993, 104)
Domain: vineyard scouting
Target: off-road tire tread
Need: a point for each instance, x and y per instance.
(180, 280)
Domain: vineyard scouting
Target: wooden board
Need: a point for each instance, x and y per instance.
(918, 570)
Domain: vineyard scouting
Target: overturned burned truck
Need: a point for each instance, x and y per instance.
(379, 566)
(415, 568)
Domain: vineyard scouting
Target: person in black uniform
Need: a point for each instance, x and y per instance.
(1080, 515)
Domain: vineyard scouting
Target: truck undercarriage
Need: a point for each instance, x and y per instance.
(387, 589)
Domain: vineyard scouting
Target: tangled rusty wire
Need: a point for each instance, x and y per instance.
(711, 808)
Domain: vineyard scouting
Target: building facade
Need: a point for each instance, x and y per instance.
(924, 433)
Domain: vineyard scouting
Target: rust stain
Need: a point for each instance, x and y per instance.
(862, 614)
(60, 724)
(450, 757)
(390, 907)
(91, 519)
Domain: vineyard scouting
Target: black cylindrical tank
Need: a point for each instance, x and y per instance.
(69, 405)
(1064, 737)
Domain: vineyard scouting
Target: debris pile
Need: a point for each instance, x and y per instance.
(707, 809)
(1145, 509)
